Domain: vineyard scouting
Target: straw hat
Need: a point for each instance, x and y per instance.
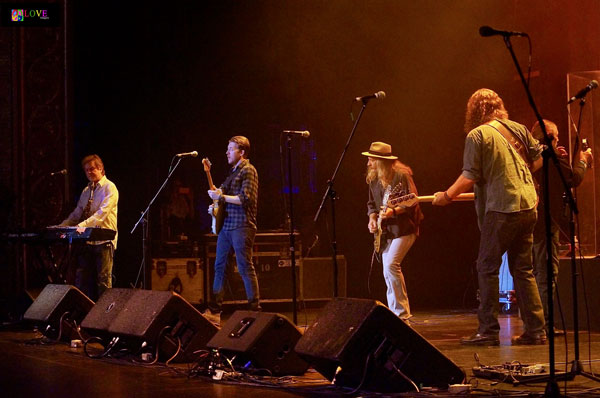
(380, 150)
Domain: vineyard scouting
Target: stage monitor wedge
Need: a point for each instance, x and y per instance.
(158, 318)
(56, 302)
(264, 339)
(358, 342)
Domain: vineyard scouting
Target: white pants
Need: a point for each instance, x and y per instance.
(392, 257)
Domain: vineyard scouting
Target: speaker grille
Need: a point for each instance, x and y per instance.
(374, 349)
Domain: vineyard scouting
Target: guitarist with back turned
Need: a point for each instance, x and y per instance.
(238, 198)
(395, 226)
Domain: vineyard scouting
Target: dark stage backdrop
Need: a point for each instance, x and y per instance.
(153, 81)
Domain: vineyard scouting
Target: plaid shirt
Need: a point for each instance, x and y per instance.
(243, 182)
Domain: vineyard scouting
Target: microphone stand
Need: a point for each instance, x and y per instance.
(291, 222)
(145, 228)
(552, 389)
(331, 194)
(576, 368)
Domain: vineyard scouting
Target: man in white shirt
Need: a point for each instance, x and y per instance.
(97, 207)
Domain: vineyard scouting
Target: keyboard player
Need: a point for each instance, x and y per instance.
(97, 207)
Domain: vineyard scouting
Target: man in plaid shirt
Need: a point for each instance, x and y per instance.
(238, 197)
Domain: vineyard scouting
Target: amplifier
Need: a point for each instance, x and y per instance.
(271, 258)
(317, 278)
(184, 276)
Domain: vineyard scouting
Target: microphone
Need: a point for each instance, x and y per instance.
(486, 31)
(582, 93)
(379, 94)
(192, 154)
(304, 134)
(63, 172)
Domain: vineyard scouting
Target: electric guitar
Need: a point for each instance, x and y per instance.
(218, 213)
(392, 196)
(407, 201)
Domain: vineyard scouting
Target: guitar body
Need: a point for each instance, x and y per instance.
(377, 235)
(392, 199)
(218, 217)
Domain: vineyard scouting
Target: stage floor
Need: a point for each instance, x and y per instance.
(35, 370)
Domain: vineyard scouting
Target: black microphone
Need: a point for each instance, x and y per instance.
(379, 94)
(486, 31)
(304, 134)
(582, 93)
(192, 154)
(63, 172)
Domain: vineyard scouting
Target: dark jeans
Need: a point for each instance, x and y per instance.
(94, 269)
(540, 267)
(239, 240)
(511, 233)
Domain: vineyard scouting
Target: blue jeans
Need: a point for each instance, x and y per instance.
(239, 240)
(94, 269)
(512, 233)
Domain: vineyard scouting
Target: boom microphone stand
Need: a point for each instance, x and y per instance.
(576, 368)
(331, 194)
(145, 228)
(548, 153)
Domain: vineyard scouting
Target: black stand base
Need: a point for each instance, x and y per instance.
(552, 389)
(577, 369)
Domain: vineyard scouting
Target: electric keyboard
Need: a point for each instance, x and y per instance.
(52, 234)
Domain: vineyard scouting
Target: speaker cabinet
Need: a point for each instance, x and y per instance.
(265, 339)
(271, 258)
(58, 302)
(161, 319)
(107, 309)
(317, 278)
(361, 343)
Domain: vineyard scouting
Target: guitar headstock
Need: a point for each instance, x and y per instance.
(207, 164)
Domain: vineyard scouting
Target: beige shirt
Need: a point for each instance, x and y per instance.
(103, 208)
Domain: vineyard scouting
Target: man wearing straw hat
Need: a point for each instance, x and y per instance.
(386, 176)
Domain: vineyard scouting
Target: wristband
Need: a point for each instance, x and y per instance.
(448, 198)
(584, 163)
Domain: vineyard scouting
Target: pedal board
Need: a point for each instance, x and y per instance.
(517, 373)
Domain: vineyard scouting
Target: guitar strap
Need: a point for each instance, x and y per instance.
(386, 195)
(515, 141)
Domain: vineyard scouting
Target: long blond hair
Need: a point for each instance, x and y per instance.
(483, 106)
(384, 171)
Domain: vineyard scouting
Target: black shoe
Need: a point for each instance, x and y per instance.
(527, 339)
(254, 306)
(214, 307)
(480, 339)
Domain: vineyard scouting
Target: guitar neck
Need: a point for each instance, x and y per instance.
(463, 197)
(210, 181)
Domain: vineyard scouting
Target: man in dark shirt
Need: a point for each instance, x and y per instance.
(497, 159)
(573, 176)
(238, 197)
